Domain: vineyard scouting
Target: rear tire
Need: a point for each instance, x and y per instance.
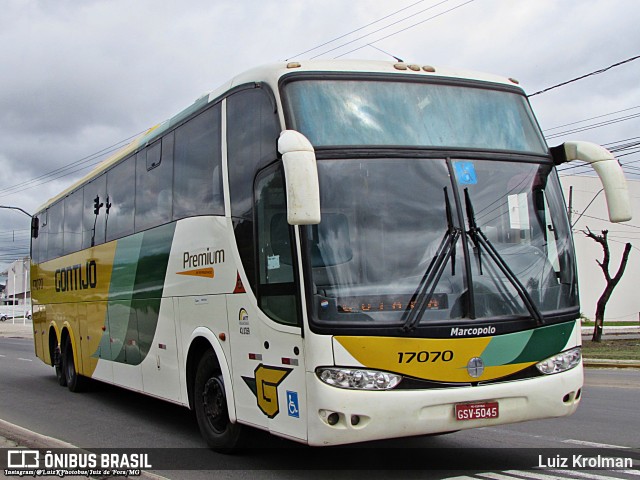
(210, 405)
(75, 382)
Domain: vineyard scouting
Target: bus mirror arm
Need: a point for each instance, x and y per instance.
(607, 168)
(301, 178)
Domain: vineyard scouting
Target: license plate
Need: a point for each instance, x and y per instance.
(476, 411)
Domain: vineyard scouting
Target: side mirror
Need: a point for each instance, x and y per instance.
(301, 178)
(35, 227)
(607, 168)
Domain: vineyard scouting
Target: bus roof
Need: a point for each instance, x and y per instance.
(271, 74)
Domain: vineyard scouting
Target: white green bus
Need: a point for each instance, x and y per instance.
(333, 252)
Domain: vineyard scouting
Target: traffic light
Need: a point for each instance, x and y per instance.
(97, 205)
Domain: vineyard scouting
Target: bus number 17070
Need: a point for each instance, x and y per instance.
(424, 356)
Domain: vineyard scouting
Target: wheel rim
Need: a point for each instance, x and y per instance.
(214, 405)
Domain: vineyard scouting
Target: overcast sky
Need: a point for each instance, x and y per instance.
(81, 76)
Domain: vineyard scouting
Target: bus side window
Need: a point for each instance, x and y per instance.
(39, 245)
(73, 221)
(93, 226)
(56, 230)
(277, 291)
(154, 183)
(252, 133)
(197, 182)
(119, 210)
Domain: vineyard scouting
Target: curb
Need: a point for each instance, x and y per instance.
(607, 363)
(26, 438)
(15, 436)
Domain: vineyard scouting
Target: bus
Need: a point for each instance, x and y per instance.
(330, 251)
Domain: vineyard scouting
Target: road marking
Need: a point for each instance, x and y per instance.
(25, 359)
(591, 476)
(503, 431)
(530, 474)
(592, 444)
(630, 472)
(3, 356)
(498, 476)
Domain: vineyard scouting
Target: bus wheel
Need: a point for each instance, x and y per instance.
(75, 382)
(210, 404)
(57, 364)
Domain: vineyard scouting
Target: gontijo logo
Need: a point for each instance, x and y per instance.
(76, 277)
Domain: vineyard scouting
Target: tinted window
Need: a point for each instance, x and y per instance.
(276, 269)
(56, 230)
(154, 178)
(197, 166)
(119, 205)
(39, 245)
(94, 225)
(252, 134)
(73, 222)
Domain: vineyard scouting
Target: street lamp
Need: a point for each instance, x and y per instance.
(17, 208)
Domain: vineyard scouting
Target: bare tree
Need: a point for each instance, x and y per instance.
(611, 281)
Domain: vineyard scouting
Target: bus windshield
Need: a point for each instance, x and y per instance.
(343, 112)
(385, 219)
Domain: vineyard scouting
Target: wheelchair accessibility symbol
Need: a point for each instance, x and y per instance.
(292, 404)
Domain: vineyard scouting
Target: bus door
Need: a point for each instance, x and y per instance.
(280, 374)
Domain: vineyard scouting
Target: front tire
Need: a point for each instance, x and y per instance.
(210, 405)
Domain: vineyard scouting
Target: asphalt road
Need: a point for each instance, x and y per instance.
(109, 417)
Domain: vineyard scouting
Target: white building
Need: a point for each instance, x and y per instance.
(18, 284)
(625, 301)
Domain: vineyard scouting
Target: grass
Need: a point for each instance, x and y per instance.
(623, 349)
(634, 323)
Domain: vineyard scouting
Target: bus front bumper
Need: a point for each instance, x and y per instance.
(339, 416)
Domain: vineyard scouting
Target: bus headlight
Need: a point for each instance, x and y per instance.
(358, 378)
(561, 362)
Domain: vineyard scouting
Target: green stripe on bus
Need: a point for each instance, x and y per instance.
(135, 294)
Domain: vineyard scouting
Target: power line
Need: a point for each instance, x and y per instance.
(356, 30)
(597, 72)
(591, 118)
(380, 29)
(593, 125)
(66, 170)
(405, 29)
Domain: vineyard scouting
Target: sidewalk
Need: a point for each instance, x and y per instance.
(17, 330)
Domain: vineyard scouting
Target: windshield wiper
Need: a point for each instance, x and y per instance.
(481, 241)
(426, 288)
